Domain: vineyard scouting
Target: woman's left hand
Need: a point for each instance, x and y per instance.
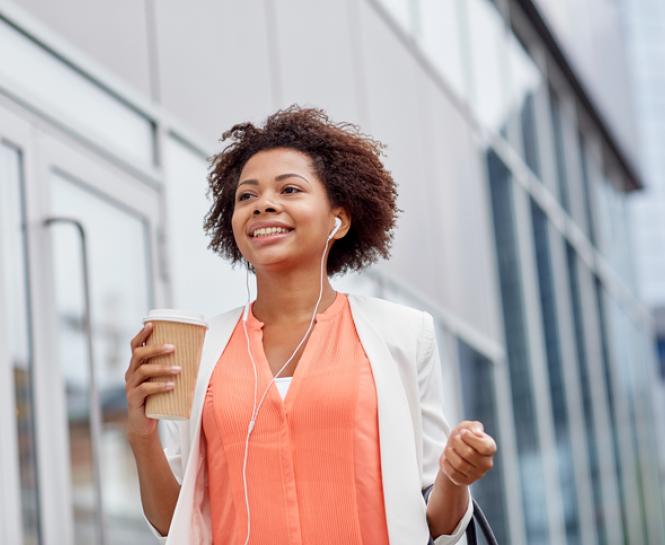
(469, 453)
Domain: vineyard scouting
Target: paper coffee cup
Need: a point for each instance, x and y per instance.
(186, 331)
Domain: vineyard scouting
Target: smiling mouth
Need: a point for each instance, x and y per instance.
(271, 235)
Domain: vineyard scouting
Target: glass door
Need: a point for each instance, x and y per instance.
(100, 224)
(78, 270)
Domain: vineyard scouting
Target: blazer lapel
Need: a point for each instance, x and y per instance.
(404, 505)
(189, 524)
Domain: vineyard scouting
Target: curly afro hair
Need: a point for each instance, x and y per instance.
(344, 159)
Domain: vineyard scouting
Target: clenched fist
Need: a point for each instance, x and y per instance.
(469, 453)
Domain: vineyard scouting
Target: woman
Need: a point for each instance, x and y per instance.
(351, 446)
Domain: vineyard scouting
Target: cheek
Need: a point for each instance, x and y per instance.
(236, 227)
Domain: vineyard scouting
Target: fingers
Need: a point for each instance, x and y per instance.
(136, 396)
(484, 445)
(143, 353)
(463, 451)
(149, 370)
(141, 336)
(455, 476)
(469, 453)
(459, 463)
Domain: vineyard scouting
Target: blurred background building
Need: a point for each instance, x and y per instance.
(644, 29)
(511, 133)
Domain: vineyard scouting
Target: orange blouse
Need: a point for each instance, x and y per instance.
(313, 468)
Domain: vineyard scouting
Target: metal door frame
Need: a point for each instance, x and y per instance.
(15, 132)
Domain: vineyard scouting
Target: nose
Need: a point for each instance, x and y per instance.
(269, 205)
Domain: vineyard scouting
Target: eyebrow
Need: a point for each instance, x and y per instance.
(252, 181)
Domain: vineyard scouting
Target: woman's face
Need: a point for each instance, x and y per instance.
(280, 185)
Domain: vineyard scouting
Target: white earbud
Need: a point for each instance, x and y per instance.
(338, 224)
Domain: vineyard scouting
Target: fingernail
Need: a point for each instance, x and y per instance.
(169, 384)
(168, 347)
(176, 369)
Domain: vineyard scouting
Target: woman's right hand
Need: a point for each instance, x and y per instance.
(137, 386)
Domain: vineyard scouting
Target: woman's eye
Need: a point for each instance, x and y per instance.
(241, 196)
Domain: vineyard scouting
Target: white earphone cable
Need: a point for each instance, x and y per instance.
(255, 408)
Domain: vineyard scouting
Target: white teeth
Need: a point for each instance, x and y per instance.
(269, 231)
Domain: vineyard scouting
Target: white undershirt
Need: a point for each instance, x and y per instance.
(282, 384)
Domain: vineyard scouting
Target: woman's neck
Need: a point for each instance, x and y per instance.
(290, 300)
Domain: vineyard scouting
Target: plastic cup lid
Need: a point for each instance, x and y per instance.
(175, 315)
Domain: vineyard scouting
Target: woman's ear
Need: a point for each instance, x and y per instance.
(346, 222)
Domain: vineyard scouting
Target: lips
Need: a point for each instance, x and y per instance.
(269, 239)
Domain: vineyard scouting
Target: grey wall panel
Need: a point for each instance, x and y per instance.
(459, 219)
(394, 118)
(214, 63)
(112, 33)
(316, 56)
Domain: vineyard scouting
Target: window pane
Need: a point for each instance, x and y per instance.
(525, 82)
(623, 347)
(585, 386)
(586, 177)
(609, 393)
(559, 147)
(534, 495)
(120, 295)
(14, 294)
(560, 418)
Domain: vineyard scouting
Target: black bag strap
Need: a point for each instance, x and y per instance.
(479, 518)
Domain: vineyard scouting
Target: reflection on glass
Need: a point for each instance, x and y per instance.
(555, 374)
(478, 395)
(585, 387)
(534, 495)
(525, 82)
(488, 46)
(14, 295)
(117, 259)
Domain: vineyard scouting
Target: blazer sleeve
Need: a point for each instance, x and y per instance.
(173, 451)
(435, 427)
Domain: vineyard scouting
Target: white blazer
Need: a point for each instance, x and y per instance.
(401, 346)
